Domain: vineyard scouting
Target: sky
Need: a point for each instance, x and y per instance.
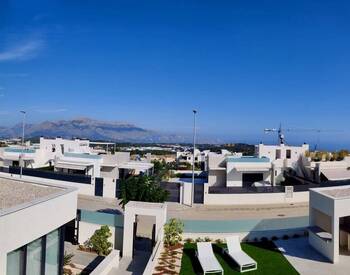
(244, 65)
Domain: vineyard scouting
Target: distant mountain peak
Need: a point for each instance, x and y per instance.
(85, 127)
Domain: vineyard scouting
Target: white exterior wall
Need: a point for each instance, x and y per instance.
(86, 230)
(42, 217)
(252, 199)
(44, 154)
(235, 171)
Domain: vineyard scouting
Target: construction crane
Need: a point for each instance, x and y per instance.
(281, 137)
(279, 131)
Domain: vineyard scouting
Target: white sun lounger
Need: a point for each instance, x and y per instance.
(234, 250)
(207, 259)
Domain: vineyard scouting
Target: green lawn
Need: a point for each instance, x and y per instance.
(270, 260)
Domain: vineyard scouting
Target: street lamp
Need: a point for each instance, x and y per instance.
(22, 154)
(193, 156)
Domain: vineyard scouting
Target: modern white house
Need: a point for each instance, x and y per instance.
(266, 167)
(116, 166)
(32, 228)
(42, 154)
(200, 157)
(73, 157)
(329, 213)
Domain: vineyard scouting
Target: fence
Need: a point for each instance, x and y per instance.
(47, 174)
(272, 189)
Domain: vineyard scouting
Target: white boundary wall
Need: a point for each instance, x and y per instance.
(253, 198)
(109, 263)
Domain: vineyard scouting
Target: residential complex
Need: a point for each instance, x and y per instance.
(85, 186)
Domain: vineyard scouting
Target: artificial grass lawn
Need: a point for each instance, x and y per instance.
(270, 260)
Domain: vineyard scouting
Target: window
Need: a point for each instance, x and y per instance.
(278, 154)
(288, 154)
(42, 256)
(52, 253)
(34, 257)
(15, 262)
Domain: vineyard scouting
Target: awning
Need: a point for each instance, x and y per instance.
(142, 166)
(248, 169)
(336, 174)
(72, 165)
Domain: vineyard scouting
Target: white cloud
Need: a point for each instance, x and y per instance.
(24, 51)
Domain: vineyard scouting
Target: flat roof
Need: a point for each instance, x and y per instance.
(19, 194)
(336, 174)
(13, 192)
(337, 193)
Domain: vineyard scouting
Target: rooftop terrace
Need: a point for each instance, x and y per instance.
(14, 193)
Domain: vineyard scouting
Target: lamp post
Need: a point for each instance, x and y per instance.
(22, 154)
(193, 156)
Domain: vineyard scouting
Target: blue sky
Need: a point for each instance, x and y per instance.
(245, 65)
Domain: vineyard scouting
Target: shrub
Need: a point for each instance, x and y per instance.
(207, 239)
(189, 240)
(173, 230)
(199, 239)
(99, 241)
(285, 237)
(67, 258)
(142, 188)
(296, 236)
(219, 241)
(274, 238)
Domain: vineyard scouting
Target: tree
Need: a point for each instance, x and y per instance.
(99, 241)
(173, 230)
(142, 188)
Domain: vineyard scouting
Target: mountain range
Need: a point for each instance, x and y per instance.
(91, 129)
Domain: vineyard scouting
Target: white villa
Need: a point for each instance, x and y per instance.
(264, 168)
(330, 221)
(73, 157)
(32, 230)
(187, 157)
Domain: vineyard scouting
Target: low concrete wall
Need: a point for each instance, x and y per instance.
(110, 262)
(154, 258)
(323, 247)
(253, 198)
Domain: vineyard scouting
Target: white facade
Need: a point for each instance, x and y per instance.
(266, 167)
(330, 221)
(44, 153)
(32, 216)
(187, 157)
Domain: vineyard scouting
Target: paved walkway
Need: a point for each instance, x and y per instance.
(128, 266)
(308, 261)
(85, 260)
